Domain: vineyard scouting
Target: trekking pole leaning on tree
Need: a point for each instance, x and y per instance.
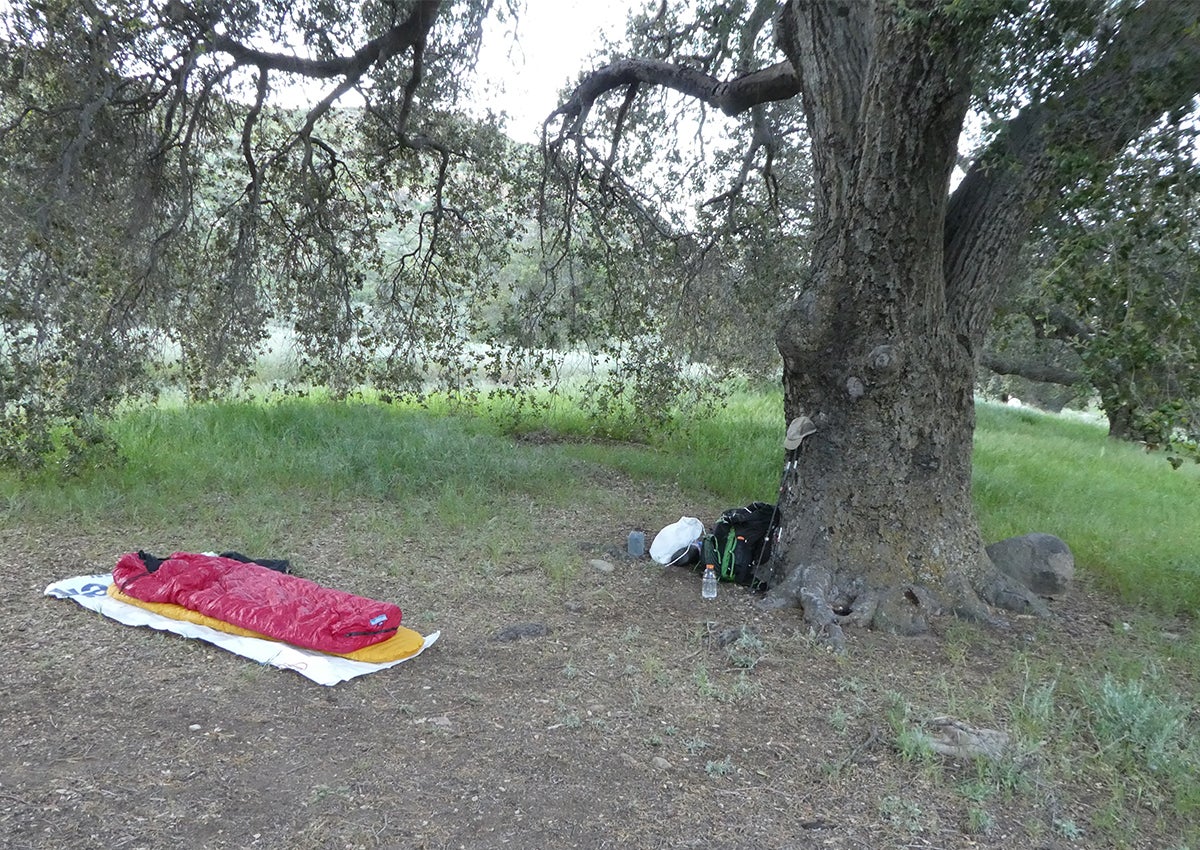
(797, 430)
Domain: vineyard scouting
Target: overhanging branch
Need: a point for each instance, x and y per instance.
(778, 82)
(410, 32)
(1029, 369)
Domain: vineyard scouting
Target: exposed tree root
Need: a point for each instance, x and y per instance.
(905, 609)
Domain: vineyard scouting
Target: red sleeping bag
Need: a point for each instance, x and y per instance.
(281, 606)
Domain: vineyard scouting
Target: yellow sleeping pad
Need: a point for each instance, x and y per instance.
(404, 643)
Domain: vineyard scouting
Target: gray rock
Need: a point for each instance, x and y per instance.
(1004, 591)
(601, 566)
(730, 636)
(954, 738)
(661, 763)
(1041, 562)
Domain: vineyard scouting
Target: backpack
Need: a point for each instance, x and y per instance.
(740, 541)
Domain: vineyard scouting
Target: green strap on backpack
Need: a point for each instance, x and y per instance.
(720, 553)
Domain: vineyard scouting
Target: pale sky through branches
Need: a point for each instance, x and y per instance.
(555, 37)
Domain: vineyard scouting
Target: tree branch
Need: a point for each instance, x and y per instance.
(1044, 372)
(778, 82)
(410, 32)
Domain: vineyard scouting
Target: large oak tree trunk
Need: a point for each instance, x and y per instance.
(882, 507)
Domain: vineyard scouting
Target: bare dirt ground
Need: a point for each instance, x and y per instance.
(628, 725)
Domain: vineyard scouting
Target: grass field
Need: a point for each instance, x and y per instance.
(1130, 519)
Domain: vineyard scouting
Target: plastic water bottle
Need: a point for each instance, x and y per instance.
(708, 584)
(637, 543)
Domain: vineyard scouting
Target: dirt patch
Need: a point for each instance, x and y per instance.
(640, 716)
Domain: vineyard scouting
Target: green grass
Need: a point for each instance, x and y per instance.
(1129, 518)
(744, 434)
(257, 470)
(256, 475)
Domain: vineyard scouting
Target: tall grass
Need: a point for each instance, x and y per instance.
(1129, 518)
(732, 456)
(258, 469)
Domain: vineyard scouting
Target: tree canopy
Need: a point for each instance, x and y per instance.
(1104, 303)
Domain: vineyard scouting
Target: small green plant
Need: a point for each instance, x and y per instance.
(960, 638)
(976, 790)
(914, 747)
(747, 651)
(1006, 774)
(979, 821)
(1036, 708)
(851, 685)
(705, 687)
(559, 564)
(912, 744)
(896, 711)
(717, 769)
(635, 699)
(743, 687)
(903, 813)
(695, 746)
(321, 792)
(1134, 724)
(1068, 829)
(839, 720)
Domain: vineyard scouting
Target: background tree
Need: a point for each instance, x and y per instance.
(1113, 289)
(368, 231)
(163, 198)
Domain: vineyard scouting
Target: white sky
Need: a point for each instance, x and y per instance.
(555, 37)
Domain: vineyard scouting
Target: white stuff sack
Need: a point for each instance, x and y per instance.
(672, 541)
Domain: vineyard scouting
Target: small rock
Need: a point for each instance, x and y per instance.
(601, 566)
(1002, 590)
(629, 760)
(195, 727)
(661, 763)
(574, 606)
(954, 738)
(728, 636)
(521, 630)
